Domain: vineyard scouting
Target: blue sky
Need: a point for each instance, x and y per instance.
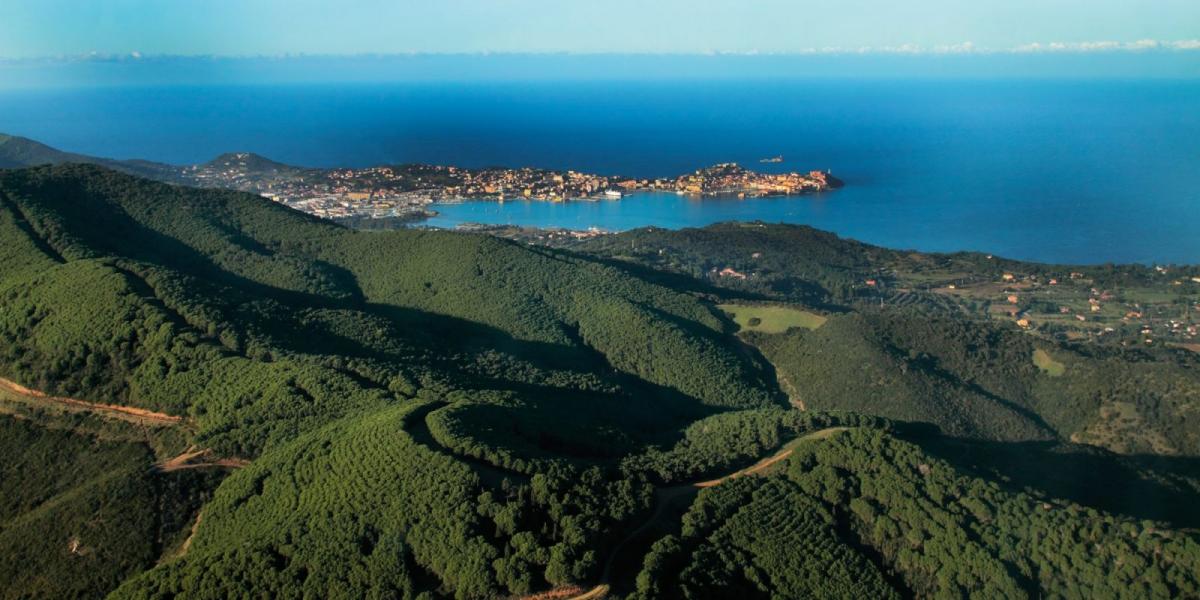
(37, 28)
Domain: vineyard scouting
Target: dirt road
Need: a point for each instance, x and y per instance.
(18, 393)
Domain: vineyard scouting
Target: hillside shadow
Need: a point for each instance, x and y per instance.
(1139, 486)
(95, 226)
(679, 282)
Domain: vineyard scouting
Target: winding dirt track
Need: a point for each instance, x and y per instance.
(188, 460)
(22, 394)
(664, 497)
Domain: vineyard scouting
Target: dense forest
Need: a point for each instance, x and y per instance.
(209, 395)
(982, 380)
(863, 514)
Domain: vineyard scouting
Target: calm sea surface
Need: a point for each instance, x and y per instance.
(1054, 171)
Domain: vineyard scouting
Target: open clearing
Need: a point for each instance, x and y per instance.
(771, 319)
(1047, 364)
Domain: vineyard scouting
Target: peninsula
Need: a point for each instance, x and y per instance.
(406, 191)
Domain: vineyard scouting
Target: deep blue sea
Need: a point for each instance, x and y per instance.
(1059, 171)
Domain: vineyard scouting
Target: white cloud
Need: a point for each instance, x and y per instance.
(1108, 46)
(968, 47)
(961, 48)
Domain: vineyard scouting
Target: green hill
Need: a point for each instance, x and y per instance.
(983, 380)
(434, 414)
(264, 327)
(865, 514)
(918, 337)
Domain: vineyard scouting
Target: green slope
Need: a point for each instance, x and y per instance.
(980, 380)
(264, 327)
(435, 414)
(864, 514)
(80, 514)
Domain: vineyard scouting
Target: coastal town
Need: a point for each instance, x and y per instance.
(406, 192)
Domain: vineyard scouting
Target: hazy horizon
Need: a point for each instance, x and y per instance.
(174, 70)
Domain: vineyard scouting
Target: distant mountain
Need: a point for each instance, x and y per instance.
(250, 163)
(17, 152)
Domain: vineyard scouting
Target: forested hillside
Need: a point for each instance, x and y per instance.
(988, 381)
(919, 337)
(206, 395)
(863, 514)
(267, 330)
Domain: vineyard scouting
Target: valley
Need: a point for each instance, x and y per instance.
(421, 414)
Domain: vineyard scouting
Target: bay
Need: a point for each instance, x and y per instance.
(1080, 171)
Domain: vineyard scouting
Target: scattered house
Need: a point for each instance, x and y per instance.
(583, 235)
(1133, 314)
(1080, 318)
(1012, 299)
(1008, 277)
(870, 282)
(1076, 275)
(756, 255)
(1066, 310)
(1095, 308)
(952, 287)
(729, 272)
(1196, 280)
(1053, 282)
(1023, 323)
